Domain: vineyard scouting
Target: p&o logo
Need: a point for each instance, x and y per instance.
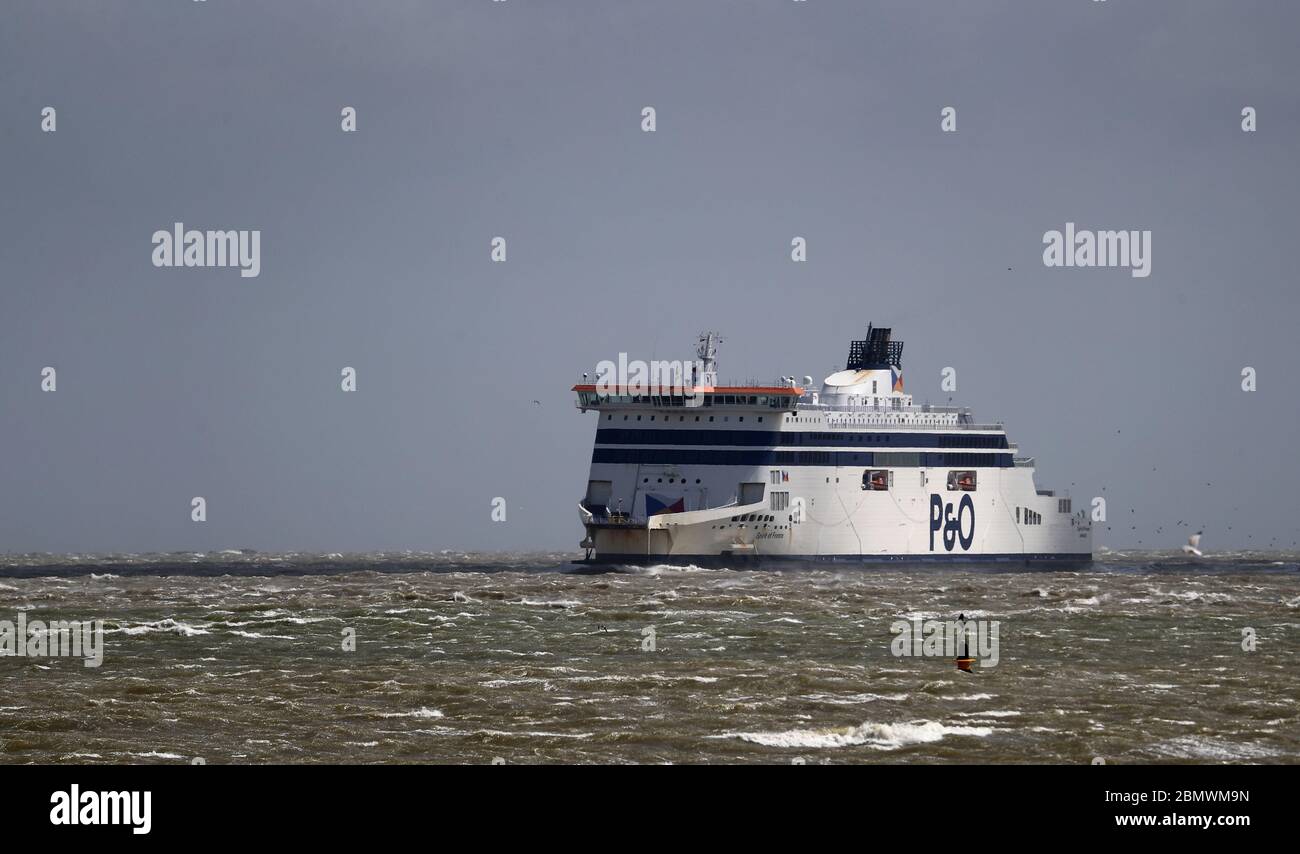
(956, 529)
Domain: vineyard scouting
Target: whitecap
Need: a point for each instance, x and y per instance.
(422, 712)
(881, 736)
(164, 625)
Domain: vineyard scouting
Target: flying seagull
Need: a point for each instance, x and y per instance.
(1193, 546)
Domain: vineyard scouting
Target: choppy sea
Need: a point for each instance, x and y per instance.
(239, 657)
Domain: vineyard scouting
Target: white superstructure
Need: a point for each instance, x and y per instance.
(854, 471)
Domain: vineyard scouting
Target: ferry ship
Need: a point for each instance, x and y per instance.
(708, 474)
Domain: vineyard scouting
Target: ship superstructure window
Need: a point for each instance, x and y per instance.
(1063, 505)
(961, 481)
(898, 460)
(774, 476)
(877, 480)
(780, 500)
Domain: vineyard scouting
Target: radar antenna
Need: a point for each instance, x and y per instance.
(875, 352)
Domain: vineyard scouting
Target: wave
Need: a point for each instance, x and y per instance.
(1196, 747)
(167, 625)
(881, 736)
(422, 712)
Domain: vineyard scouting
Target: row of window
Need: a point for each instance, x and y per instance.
(766, 520)
(669, 418)
(1030, 517)
(756, 517)
(666, 401)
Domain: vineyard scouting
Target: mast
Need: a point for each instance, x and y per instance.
(707, 351)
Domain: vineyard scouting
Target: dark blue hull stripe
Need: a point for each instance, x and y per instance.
(1011, 558)
(758, 458)
(775, 439)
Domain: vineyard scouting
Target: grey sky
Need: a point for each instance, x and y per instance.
(522, 119)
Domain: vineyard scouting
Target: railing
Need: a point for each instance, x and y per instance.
(667, 383)
(884, 413)
(924, 408)
(943, 425)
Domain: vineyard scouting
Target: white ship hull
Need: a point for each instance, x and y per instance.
(841, 521)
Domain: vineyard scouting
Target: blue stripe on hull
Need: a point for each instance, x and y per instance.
(1055, 559)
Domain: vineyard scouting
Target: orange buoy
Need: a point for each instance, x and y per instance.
(964, 664)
